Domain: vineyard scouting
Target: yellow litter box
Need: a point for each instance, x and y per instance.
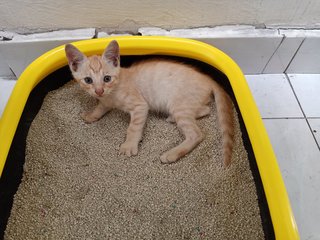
(283, 221)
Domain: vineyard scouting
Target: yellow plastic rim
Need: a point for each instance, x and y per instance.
(281, 214)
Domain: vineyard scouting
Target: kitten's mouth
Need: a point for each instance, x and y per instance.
(96, 95)
(99, 94)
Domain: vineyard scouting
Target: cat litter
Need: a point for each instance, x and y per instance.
(77, 186)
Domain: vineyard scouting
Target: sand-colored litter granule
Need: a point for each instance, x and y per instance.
(76, 186)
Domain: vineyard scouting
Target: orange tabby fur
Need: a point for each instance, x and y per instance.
(158, 85)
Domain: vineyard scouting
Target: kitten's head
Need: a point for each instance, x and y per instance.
(97, 75)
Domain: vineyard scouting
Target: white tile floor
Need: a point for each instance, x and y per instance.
(6, 86)
(290, 108)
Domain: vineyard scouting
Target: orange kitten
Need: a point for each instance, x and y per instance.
(157, 85)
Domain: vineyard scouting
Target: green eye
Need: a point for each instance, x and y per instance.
(107, 78)
(88, 80)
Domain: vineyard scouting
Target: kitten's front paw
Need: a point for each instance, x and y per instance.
(88, 118)
(129, 149)
(169, 157)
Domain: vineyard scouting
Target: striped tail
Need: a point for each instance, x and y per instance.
(225, 118)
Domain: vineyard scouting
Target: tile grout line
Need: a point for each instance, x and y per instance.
(277, 48)
(313, 117)
(293, 57)
(304, 115)
(277, 118)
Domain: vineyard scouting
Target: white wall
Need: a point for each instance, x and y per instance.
(41, 15)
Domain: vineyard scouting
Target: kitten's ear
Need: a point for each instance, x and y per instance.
(75, 57)
(112, 54)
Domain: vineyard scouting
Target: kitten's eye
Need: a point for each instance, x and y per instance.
(88, 80)
(107, 78)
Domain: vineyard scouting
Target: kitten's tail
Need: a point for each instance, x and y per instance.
(225, 118)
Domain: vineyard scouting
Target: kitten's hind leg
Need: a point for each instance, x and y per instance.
(200, 112)
(203, 111)
(95, 114)
(193, 136)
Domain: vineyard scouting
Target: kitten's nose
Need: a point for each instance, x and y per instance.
(99, 92)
